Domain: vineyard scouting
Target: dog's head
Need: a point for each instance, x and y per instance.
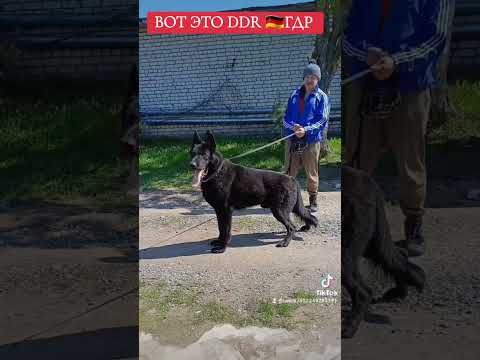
(201, 154)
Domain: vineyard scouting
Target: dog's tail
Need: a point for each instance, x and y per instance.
(300, 210)
(393, 259)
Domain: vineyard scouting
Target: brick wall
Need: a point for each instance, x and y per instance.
(465, 45)
(242, 68)
(186, 131)
(220, 73)
(70, 39)
(466, 52)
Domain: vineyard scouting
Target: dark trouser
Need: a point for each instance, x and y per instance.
(403, 132)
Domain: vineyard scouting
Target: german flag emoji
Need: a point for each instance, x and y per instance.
(274, 22)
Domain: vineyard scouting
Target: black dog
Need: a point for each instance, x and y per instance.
(366, 233)
(227, 186)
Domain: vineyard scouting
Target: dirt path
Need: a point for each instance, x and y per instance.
(58, 261)
(252, 269)
(443, 321)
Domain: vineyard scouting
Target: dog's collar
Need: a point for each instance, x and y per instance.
(215, 173)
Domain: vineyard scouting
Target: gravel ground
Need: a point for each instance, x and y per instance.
(56, 262)
(252, 264)
(252, 269)
(40, 288)
(443, 321)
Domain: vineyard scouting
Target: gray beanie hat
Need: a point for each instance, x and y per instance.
(312, 69)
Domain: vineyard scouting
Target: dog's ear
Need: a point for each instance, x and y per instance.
(196, 138)
(211, 141)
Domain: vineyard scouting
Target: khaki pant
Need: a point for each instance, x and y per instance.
(404, 133)
(309, 160)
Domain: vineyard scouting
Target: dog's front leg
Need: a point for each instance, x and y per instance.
(224, 218)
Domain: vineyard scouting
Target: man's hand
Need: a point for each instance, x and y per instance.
(384, 68)
(374, 55)
(299, 131)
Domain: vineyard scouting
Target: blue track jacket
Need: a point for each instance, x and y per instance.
(315, 115)
(414, 35)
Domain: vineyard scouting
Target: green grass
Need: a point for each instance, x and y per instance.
(269, 314)
(304, 296)
(334, 157)
(164, 163)
(266, 312)
(161, 306)
(153, 298)
(61, 147)
(215, 312)
(466, 124)
(159, 303)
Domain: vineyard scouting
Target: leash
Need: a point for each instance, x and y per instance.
(109, 301)
(76, 316)
(356, 76)
(213, 218)
(262, 147)
(344, 82)
(122, 295)
(180, 233)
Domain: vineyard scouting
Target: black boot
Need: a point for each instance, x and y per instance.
(414, 239)
(313, 203)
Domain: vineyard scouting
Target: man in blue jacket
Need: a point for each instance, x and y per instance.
(401, 41)
(306, 116)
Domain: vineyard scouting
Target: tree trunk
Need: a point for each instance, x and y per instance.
(328, 45)
(442, 108)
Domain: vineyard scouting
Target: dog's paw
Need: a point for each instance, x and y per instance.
(348, 332)
(283, 243)
(216, 243)
(349, 326)
(305, 228)
(219, 249)
(393, 295)
(377, 319)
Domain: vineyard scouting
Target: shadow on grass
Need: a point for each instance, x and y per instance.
(61, 148)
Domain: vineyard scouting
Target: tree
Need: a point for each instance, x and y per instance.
(442, 108)
(328, 46)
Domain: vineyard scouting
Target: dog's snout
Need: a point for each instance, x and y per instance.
(193, 165)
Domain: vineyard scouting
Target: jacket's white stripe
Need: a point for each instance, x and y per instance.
(353, 51)
(287, 125)
(325, 116)
(431, 44)
(349, 48)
